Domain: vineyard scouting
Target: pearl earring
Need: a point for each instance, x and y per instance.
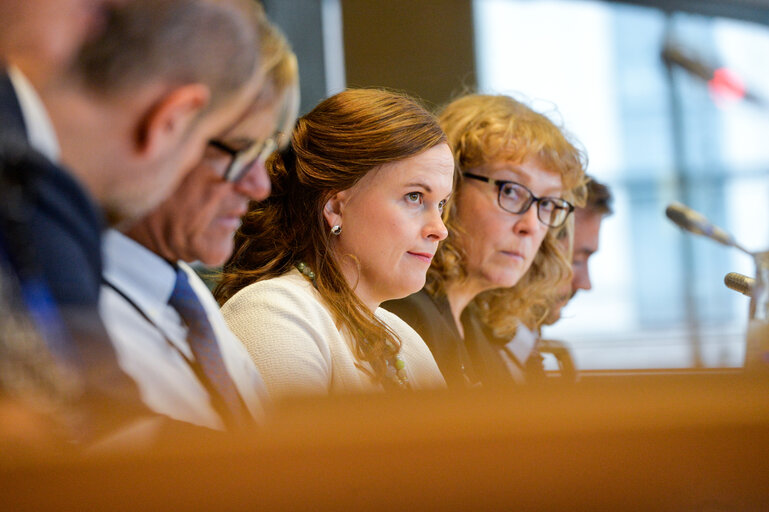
(336, 230)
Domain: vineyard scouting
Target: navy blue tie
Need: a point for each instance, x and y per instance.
(200, 336)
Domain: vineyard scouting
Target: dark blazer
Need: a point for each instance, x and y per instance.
(50, 231)
(11, 118)
(50, 239)
(463, 361)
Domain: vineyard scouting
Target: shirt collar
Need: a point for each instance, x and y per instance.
(40, 131)
(146, 278)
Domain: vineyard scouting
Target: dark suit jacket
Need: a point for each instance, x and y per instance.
(463, 361)
(62, 226)
(11, 118)
(50, 236)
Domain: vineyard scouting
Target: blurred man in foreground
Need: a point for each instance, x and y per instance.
(130, 115)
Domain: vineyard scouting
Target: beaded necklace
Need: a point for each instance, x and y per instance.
(396, 365)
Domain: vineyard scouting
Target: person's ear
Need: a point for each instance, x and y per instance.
(169, 120)
(334, 208)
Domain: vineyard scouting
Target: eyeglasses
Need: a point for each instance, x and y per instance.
(515, 198)
(244, 158)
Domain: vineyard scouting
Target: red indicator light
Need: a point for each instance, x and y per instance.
(726, 86)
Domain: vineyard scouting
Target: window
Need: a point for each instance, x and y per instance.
(654, 134)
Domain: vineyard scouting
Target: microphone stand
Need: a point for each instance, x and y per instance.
(682, 186)
(757, 343)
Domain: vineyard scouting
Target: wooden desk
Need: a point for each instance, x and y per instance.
(658, 443)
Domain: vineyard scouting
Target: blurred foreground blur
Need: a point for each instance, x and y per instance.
(655, 442)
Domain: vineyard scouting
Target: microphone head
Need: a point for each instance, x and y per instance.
(678, 214)
(694, 222)
(739, 283)
(674, 55)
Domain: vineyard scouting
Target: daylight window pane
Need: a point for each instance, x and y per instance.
(654, 135)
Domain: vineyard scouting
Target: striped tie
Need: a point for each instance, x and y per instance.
(200, 336)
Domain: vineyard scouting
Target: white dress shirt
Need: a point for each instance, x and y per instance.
(516, 352)
(40, 132)
(151, 351)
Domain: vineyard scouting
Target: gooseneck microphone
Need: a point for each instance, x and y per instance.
(694, 222)
(715, 76)
(757, 340)
(739, 283)
(675, 55)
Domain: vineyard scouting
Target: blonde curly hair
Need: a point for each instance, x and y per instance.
(482, 129)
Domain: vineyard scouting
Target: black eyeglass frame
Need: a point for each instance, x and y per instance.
(243, 159)
(559, 202)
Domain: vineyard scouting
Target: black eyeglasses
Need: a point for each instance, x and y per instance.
(244, 158)
(515, 198)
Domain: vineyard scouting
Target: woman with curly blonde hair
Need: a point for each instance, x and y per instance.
(519, 178)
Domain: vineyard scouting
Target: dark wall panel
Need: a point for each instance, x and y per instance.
(424, 47)
(748, 10)
(301, 21)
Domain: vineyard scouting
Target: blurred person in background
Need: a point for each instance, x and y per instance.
(354, 220)
(587, 226)
(145, 270)
(586, 229)
(518, 177)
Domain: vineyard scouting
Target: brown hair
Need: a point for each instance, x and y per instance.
(599, 197)
(332, 148)
(486, 128)
(213, 42)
